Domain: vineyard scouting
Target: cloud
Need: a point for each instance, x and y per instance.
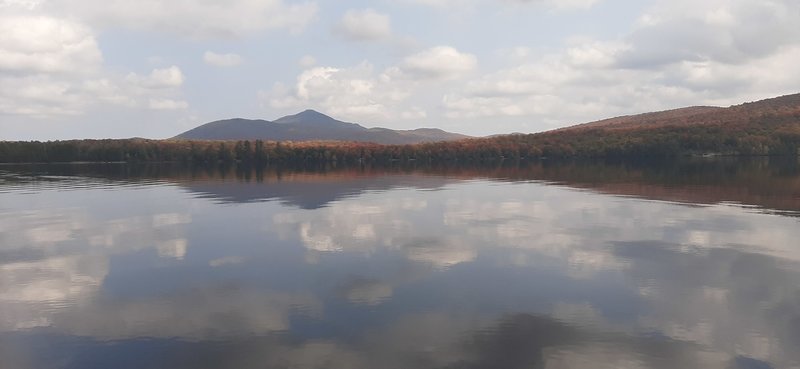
(364, 25)
(548, 87)
(691, 297)
(167, 104)
(159, 78)
(48, 272)
(222, 60)
(362, 93)
(731, 32)
(436, 3)
(676, 53)
(31, 44)
(51, 95)
(439, 252)
(560, 4)
(440, 62)
(664, 62)
(366, 226)
(190, 19)
(252, 310)
(20, 4)
(555, 231)
(351, 93)
(43, 63)
(39, 96)
(472, 4)
(53, 67)
(572, 4)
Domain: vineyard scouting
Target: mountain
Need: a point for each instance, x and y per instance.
(311, 125)
(647, 120)
(766, 127)
(738, 116)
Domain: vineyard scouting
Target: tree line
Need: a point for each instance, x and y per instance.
(778, 136)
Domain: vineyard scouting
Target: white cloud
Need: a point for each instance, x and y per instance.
(191, 19)
(39, 96)
(675, 53)
(556, 91)
(222, 60)
(43, 61)
(665, 62)
(167, 104)
(44, 95)
(53, 67)
(30, 44)
(159, 78)
(730, 31)
(20, 4)
(594, 54)
(450, 5)
(572, 4)
(558, 4)
(435, 3)
(364, 25)
(167, 77)
(440, 62)
(679, 53)
(356, 93)
(47, 96)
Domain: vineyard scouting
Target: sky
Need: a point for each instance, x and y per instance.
(150, 68)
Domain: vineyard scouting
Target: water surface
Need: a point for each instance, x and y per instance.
(543, 265)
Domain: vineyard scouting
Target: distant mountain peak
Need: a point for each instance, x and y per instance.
(310, 125)
(310, 112)
(307, 116)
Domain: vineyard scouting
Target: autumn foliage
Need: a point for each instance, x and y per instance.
(769, 127)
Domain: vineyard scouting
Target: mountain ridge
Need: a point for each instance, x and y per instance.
(765, 127)
(311, 125)
(739, 114)
(769, 127)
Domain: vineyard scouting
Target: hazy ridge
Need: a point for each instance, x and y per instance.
(311, 125)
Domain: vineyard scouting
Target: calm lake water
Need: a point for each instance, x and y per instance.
(546, 265)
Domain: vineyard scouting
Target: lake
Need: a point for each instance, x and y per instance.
(686, 264)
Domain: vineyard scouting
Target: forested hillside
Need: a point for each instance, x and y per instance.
(768, 127)
(311, 126)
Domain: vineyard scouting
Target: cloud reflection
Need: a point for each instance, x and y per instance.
(478, 274)
(54, 259)
(707, 254)
(213, 312)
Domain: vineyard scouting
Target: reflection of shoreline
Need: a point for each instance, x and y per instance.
(305, 191)
(483, 274)
(764, 183)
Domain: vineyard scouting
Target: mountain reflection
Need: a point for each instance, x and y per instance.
(772, 184)
(544, 265)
